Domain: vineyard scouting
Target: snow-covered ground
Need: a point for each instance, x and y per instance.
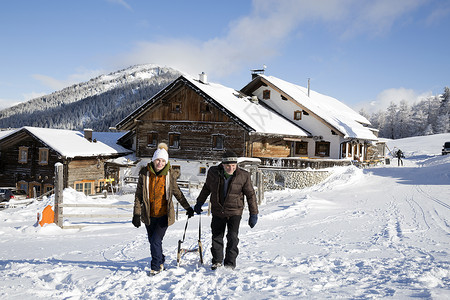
(382, 232)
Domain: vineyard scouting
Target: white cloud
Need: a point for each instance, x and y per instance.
(58, 84)
(122, 3)
(250, 39)
(394, 95)
(439, 14)
(377, 17)
(262, 34)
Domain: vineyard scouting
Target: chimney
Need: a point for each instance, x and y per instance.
(203, 78)
(256, 72)
(308, 85)
(254, 99)
(88, 134)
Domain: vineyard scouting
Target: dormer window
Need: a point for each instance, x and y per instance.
(176, 107)
(266, 94)
(205, 108)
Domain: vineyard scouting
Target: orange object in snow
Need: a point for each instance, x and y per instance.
(48, 216)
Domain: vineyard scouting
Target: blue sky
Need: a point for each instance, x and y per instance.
(364, 53)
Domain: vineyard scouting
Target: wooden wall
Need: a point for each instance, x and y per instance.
(187, 113)
(14, 171)
(85, 169)
(270, 147)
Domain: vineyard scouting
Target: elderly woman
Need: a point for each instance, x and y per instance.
(153, 203)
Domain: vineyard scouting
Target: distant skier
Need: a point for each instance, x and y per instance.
(400, 155)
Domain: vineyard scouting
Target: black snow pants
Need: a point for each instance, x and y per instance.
(218, 226)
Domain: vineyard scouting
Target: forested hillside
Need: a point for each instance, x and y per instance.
(98, 104)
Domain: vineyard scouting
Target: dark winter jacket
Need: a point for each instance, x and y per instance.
(233, 203)
(143, 196)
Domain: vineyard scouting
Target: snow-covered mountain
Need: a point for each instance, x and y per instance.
(98, 103)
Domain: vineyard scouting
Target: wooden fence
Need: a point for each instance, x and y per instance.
(59, 205)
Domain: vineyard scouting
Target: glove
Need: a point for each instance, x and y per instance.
(252, 220)
(136, 221)
(190, 212)
(198, 208)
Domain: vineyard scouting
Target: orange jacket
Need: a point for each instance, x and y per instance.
(146, 203)
(156, 188)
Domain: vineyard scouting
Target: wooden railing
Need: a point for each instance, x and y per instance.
(301, 163)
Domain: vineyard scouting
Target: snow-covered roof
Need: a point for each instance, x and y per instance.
(71, 143)
(5, 133)
(260, 118)
(350, 123)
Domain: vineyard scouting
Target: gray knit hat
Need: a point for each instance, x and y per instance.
(229, 157)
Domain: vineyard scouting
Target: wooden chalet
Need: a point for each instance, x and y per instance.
(200, 120)
(337, 131)
(28, 156)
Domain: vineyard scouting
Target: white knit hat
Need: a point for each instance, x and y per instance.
(161, 152)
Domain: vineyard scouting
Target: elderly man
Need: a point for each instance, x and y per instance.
(227, 184)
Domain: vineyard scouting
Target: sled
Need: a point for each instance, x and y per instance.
(48, 216)
(181, 251)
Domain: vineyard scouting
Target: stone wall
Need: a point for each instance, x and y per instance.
(279, 179)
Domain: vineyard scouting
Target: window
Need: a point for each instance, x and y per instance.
(23, 185)
(176, 107)
(297, 115)
(152, 139)
(35, 189)
(218, 141)
(202, 171)
(301, 148)
(205, 108)
(322, 149)
(48, 188)
(206, 112)
(266, 94)
(102, 185)
(23, 155)
(174, 140)
(85, 186)
(43, 156)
